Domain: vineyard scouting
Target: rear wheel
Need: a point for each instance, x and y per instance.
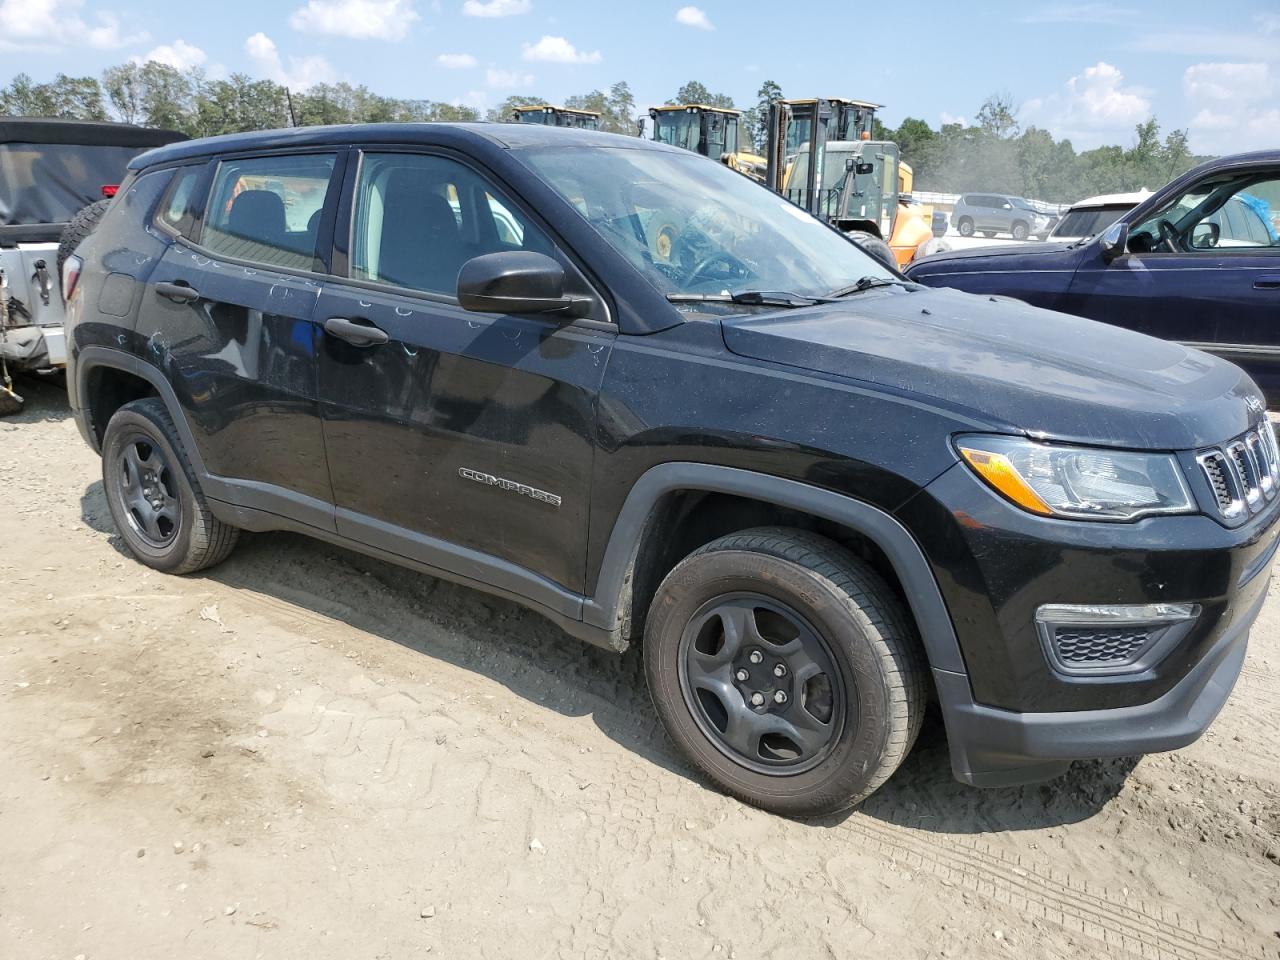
(154, 495)
(78, 228)
(785, 669)
(1019, 231)
(965, 226)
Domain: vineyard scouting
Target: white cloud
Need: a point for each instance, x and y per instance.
(358, 19)
(180, 55)
(1227, 81)
(1228, 114)
(1096, 106)
(49, 24)
(1262, 42)
(301, 73)
(496, 8)
(476, 99)
(693, 17)
(949, 118)
(559, 50)
(456, 61)
(507, 79)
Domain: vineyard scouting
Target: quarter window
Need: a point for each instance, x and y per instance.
(418, 219)
(267, 209)
(179, 207)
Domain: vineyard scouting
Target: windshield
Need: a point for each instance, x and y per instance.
(1088, 221)
(693, 227)
(51, 182)
(679, 128)
(1022, 204)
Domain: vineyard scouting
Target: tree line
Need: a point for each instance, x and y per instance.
(994, 153)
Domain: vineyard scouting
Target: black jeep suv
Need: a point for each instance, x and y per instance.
(648, 398)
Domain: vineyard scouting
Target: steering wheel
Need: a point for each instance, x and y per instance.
(703, 266)
(1168, 237)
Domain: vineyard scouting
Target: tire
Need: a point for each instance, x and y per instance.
(1019, 231)
(874, 246)
(79, 227)
(965, 226)
(868, 696)
(186, 537)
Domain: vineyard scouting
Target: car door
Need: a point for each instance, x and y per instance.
(1210, 277)
(230, 311)
(462, 440)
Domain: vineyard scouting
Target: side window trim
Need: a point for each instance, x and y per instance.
(345, 226)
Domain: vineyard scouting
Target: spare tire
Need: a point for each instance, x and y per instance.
(79, 227)
(875, 247)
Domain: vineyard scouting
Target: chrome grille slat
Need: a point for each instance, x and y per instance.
(1243, 473)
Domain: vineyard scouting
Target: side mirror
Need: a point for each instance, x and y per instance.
(1115, 241)
(864, 169)
(516, 281)
(1206, 235)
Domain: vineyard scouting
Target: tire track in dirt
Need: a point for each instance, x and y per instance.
(1078, 906)
(1133, 925)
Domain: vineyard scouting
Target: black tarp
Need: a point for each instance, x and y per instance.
(50, 169)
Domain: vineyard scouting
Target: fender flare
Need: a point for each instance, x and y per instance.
(94, 356)
(608, 607)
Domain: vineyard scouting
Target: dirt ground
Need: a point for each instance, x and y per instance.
(306, 753)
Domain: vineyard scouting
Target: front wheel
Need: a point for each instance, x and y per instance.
(1019, 231)
(785, 669)
(965, 226)
(874, 246)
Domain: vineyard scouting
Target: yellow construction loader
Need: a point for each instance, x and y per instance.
(821, 157)
(714, 132)
(550, 116)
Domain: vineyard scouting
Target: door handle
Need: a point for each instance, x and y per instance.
(1267, 283)
(360, 334)
(178, 291)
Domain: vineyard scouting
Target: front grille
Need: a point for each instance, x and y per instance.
(1099, 645)
(1244, 473)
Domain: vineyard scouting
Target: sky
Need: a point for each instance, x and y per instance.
(1084, 70)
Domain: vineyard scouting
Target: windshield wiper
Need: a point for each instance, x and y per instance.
(869, 283)
(752, 298)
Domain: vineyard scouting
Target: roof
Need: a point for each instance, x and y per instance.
(543, 107)
(83, 132)
(1112, 200)
(857, 103)
(461, 135)
(668, 107)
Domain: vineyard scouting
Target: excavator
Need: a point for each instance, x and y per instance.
(821, 157)
(711, 131)
(550, 116)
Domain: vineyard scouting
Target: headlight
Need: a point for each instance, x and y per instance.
(1081, 483)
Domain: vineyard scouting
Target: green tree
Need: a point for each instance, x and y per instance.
(168, 96)
(123, 88)
(617, 108)
(998, 116)
(755, 122)
(695, 92)
(72, 98)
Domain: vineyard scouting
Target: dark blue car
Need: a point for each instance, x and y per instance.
(1197, 262)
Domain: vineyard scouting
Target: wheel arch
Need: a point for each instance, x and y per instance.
(628, 570)
(96, 366)
(866, 226)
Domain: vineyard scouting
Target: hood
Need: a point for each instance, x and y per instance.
(981, 257)
(1012, 367)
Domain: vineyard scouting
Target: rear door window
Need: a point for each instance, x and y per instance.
(180, 206)
(267, 209)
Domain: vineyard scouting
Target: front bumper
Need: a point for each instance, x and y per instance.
(997, 748)
(1011, 715)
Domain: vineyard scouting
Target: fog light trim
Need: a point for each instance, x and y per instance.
(1064, 628)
